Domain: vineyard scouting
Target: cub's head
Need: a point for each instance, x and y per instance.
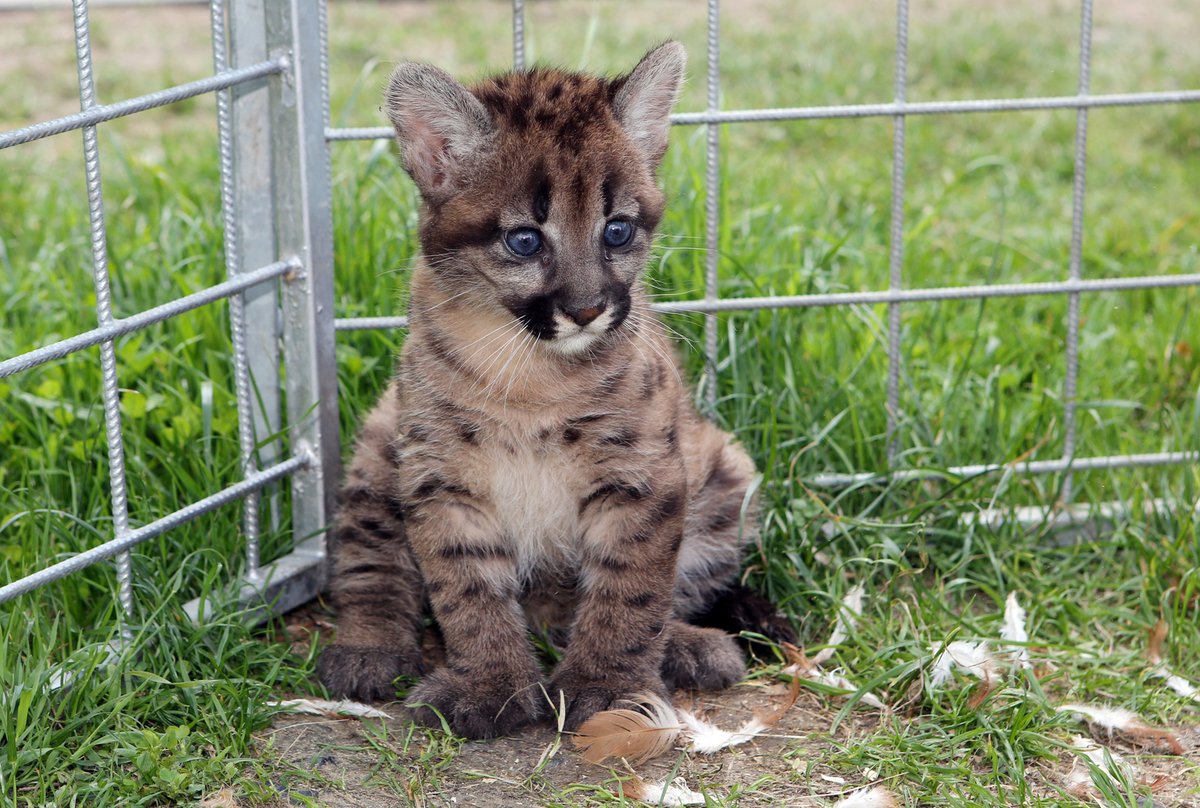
(539, 192)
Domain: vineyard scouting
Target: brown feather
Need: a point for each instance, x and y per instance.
(633, 734)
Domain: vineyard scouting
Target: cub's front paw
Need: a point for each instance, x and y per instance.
(586, 695)
(480, 705)
(365, 674)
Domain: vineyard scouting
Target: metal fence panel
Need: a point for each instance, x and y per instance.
(273, 153)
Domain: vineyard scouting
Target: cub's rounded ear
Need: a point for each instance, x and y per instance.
(644, 98)
(439, 125)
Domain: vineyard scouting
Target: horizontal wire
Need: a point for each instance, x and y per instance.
(136, 322)
(1098, 463)
(853, 298)
(107, 112)
(156, 528)
(871, 110)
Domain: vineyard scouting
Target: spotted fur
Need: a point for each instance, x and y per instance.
(537, 461)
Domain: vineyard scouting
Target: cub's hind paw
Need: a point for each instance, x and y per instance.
(476, 706)
(365, 674)
(701, 658)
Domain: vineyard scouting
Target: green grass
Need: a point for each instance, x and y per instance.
(804, 208)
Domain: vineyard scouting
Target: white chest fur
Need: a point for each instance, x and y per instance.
(536, 505)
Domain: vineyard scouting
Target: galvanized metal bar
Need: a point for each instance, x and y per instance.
(132, 538)
(872, 110)
(254, 202)
(127, 325)
(1075, 270)
(1094, 517)
(1056, 466)
(518, 28)
(712, 204)
(108, 357)
(1092, 286)
(304, 228)
(237, 305)
(896, 251)
(369, 323)
(100, 113)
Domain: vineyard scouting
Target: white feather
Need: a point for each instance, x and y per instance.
(878, 797)
(707, 739)
(835, 678)
(1014, 631)
(972, 658)
(848, 614)
(1177, 683)
(1110, 718)
(331, 708)
(1080, 782)
(674, 793)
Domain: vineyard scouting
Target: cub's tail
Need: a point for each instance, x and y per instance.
(740, 608)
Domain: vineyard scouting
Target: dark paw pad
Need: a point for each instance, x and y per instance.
(365, 674)
(476, 706)
(702, 658)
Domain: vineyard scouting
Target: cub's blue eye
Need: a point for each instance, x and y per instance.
(524, 241)
(617, 233)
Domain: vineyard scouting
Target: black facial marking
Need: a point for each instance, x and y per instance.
(541, 198)
(606, 192)
(620, 308)
(571, 435)
(537, 315)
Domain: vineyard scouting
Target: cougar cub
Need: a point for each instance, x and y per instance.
(537, 460)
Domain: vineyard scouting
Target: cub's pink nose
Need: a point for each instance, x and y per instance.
(585, 316)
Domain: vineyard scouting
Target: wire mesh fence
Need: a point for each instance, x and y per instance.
(271, 80)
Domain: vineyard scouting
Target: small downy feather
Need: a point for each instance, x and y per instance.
(1079, 780)
(1124, 722)
(834, 678)
(674, 793)
(878, 797)
(645, 731)
(332, 709)
(708, 738)
(847, 619)
(972, 658)
(1154, 654)
(1013, 630)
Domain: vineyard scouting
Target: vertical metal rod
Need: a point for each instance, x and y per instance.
(254, 203)
(896, 256)
(712, 203)
(323, 26)
(108, 357)
(518, 15)
(1075, 270)
(237, 303)
(304, 229)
